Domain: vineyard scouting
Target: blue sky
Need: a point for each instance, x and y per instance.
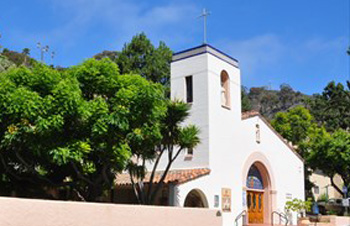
(302, 43)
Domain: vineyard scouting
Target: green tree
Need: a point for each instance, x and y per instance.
(72, 130)
(332, 107)
(299, 206)
(246, 104)
(141, 57)
(288, 97)
(269, 103)
(295, 125)
(298, 126)
(331, 154)
(113, 55)
(263, 100)
(175, 138)
(26, 53)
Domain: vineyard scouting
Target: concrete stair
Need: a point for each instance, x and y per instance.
(265, 225)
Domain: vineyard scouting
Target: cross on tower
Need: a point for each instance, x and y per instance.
(204, 14)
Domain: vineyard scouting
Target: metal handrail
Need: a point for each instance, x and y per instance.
(243, 213)
(281, 215)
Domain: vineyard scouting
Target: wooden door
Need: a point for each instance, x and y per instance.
(255, 202)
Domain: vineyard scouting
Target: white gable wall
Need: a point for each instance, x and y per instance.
(287, 169)
(227, 142)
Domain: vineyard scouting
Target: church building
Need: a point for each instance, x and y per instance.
(242, 166)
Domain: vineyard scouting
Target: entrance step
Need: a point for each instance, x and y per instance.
(265, 225)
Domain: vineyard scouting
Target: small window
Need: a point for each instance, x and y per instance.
(189, 154)
(189, 151)
(257, 134)
(225, 89)
(189, 89)
(316, 190)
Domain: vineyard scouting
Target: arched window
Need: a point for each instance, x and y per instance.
(225, 89)
(254, 179)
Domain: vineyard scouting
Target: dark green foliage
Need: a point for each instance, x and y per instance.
(113, 55)
(141, 57)
(269, 102)
(72, 131)
(175, 138)
(19, 58)
(332, 107)
(295, 125)
(246, 103)
(322, 137)
(26, 51)
(331, 154)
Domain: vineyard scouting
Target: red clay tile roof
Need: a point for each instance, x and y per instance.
(174, 176)
(249, 114)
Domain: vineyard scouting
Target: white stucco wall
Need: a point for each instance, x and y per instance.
(228, 143)
(196, 67)
(287, 168)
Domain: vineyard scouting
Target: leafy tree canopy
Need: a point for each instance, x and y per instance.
(332, 107)
(140, 56)
(298, 126)
(331, 154)
(73, 130)
(294, 125)
(175, 139)
(246, 103)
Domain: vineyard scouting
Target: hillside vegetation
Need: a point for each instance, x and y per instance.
(269, 102)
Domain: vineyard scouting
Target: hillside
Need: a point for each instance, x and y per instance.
(269, 102)
(9, 59)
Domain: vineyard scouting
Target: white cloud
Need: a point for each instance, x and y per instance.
(256, 51)
(123, 18)
(119, 19)
(270, 50)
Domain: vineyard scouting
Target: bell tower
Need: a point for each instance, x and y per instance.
(209, 80)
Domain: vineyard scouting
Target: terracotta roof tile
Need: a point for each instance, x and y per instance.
(249, 114)
(174, 176)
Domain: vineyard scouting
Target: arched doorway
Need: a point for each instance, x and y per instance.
(258, 192)
(196, 199)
